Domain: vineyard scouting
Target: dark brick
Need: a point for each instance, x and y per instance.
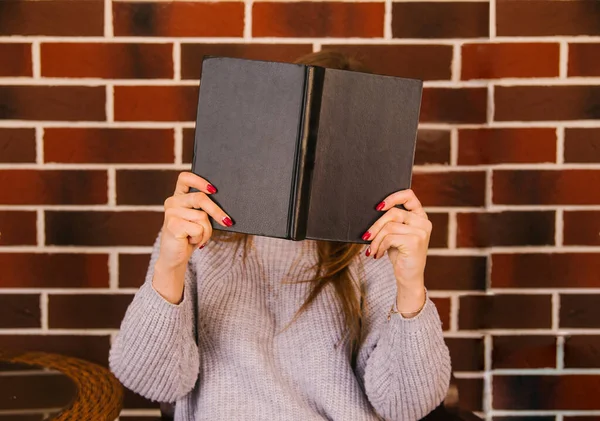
(456, 273)
(582, 145)
(108, 145)
(511, 228)
(466, 354)
(178, 19)
(15, 59)
(104, 60)
(443, 307)
(36, 391)
(450, 188)
(132, 186)
(454, 105)
(526, 418)
(317, 19)
(506, 146)
(17, 145)
(582, 351)
(546, 187)
(87, 311)
(524, 352)
(505, 312)
(545, 270)
(191, 54)
(134, 401)
(132, 270)
(547, 17)
(68, 103)
(188, 146)
(52, 17)
(56, 270)
(432, 148)
(440, 20)
(581, 59)
(20, 311)
(580, 311)
(582, 228)
(547, 103)
(552, 392)
(18, 228)
(439, 234)
(156, 103)
(470, 394)
(103, 228)
(53, 187)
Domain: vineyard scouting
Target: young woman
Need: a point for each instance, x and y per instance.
(255, 328)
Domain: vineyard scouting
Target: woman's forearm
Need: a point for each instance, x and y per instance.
(169, 282)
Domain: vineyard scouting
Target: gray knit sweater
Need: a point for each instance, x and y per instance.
(223, 354)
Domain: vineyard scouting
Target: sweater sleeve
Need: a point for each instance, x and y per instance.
(404, 363)
(154, 353)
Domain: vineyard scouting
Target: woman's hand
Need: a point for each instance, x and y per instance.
(404, 234)
(186, 227)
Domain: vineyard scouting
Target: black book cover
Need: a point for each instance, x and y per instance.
(303, 152)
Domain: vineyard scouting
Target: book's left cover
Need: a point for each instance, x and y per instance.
(246, 136)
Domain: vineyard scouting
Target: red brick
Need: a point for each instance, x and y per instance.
(53, 187)
(433, 147)
(68, 103)
(526, 418)
(52, 17)
(108, 145)
(20, 311)
(581, 228)
(188, 146)
(132, 186)
(547, 17)
(582, 351)
(470, 394)
(320, 19)
(492, 61)
(443, 307)
(547, 103)
(504, 312)
(17, 145)
(580, 311)
(179, 19)
(156, 103)
(505, 229)
(102, 228)
(582, 59)
(18, 228)
(16, 60)
(546, 187)
(466, 353)
(36, 391)
(56, 270)
(450, 188)
(132, 270)
(454, 105)
(90, 348)
(524, 352)
(87, 311)
(545, 270)
(439, 234)
(440, 20)
(426, 62)
(488, 146)
(191, 54)
(112, 61)
(564, 392)
(456, 273)
(582, 145)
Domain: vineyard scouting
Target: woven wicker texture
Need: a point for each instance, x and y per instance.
(99, 393)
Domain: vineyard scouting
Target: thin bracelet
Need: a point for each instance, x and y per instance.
(393, 309)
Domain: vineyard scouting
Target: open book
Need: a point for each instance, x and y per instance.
(300, 151)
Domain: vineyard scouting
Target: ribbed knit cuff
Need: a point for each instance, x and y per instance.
(426, 320)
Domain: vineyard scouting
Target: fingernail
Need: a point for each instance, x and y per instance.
(366, 236)
(375, 256)
(227, 221)
(202, 246)
(380, 206)
(368, 252)
(211, 189)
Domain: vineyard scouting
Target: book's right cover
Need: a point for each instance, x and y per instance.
(365, 151)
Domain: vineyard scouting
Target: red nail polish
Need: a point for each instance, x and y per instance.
(375, 256)
(211, 189)
(201, 247)
(227, 221)
(366, 236)
(368, 252)
(380, 206)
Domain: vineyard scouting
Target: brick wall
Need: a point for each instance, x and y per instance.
(97, 101)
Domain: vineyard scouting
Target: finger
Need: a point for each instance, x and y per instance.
(397, 215)
(189, 179)
(196, 216)
(406, 198)
(182, 229)
(379, 246)
(199, 200)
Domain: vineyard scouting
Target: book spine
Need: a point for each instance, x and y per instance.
(305, 154)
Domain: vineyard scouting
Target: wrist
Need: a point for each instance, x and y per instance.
(411, 300)
(168, 282)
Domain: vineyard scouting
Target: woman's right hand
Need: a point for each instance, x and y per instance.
(186, 227)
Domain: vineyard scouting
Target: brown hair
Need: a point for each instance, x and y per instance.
(334, 258)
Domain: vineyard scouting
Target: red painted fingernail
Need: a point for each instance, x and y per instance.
(227, 221)
(375, 256)
(201, 247)
(380, 206)
(211, 189)
(368, 252)
(366, 236)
